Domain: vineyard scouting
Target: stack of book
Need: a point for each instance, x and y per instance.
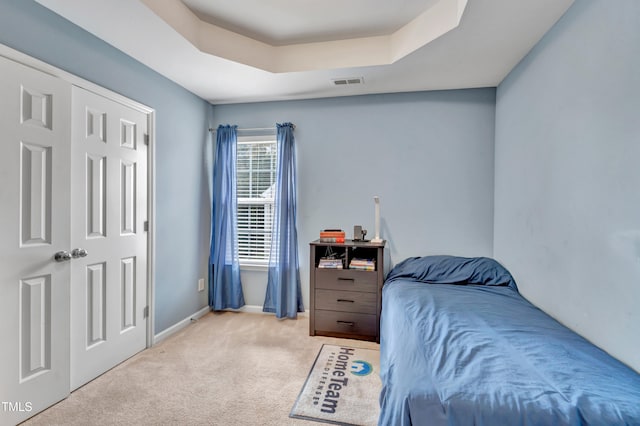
(363, 264)
(330, 263)
(332, 236)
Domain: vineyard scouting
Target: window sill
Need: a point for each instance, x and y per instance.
(263, 267)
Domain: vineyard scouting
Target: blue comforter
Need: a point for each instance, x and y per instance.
(480, 354)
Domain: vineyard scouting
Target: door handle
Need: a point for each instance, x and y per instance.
(79, 252)
(62, 256)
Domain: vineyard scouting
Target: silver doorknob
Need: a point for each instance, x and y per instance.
(79, 252)
(62, 256)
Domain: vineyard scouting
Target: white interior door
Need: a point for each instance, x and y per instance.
(108, 214)
(34, 224)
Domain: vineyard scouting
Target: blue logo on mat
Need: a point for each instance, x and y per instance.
(361, 368)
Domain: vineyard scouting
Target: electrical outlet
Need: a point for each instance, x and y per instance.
(201, 284)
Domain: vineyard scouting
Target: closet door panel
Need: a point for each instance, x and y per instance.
(109, 207)
(35, 226)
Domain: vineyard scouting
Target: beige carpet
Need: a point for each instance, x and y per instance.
(226, 369)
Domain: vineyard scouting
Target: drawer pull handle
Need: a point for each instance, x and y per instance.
(345, 300)
(349, 323)
(345, 279)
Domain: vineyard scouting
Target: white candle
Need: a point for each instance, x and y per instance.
(377, 238)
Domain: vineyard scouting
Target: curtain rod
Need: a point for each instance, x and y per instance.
(255, 129)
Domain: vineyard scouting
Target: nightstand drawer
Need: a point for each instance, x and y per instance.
(346, 322)
(347, 280)
(346, 301)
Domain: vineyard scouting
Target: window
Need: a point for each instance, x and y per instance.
(256, 177)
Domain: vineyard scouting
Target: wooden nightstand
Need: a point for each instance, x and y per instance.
(346, 302)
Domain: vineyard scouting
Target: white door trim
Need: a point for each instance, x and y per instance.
(39, 65)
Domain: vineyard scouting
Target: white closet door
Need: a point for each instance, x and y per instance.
(109, 208)
(34, 225)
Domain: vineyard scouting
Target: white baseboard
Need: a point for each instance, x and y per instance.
(250, 309)
(256, 309)
(180, 325)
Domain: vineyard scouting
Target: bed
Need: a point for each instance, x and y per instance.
(460, 346)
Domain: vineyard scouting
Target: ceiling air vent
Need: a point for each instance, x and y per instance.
(347, 81)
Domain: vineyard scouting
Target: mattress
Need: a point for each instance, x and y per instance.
(474, 354)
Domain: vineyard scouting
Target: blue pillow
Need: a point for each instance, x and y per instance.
(453, 270)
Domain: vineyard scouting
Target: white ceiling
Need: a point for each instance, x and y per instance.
(257, 50)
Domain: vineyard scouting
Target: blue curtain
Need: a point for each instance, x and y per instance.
(225, 288)
(284, 297)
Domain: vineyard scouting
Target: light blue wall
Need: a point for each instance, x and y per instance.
(428, 155)
(567, 194)
(182, 120)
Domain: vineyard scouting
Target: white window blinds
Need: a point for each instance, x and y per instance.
(256, 176)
